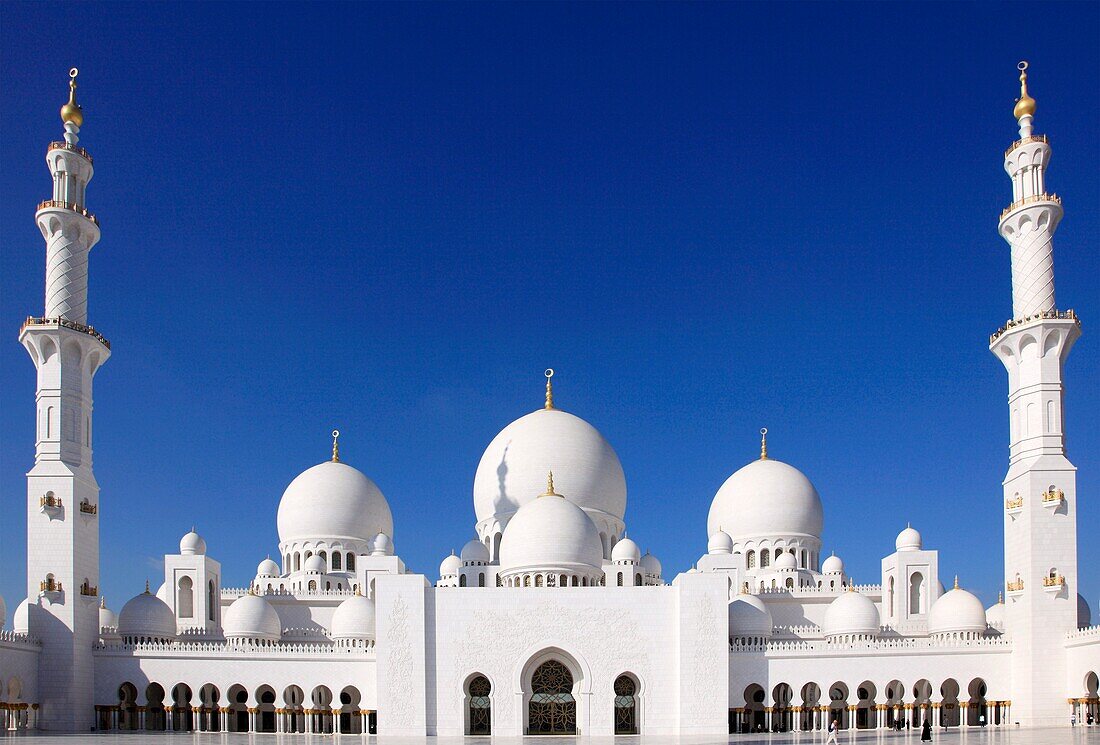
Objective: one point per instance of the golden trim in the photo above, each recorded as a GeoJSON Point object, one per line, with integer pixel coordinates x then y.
{"type": "Point", "coordinates": [549, 373]}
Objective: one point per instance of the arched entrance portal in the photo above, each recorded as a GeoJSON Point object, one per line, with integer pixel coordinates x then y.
{"type": "Point", "coordinates": [626, 706]}
{"type": "Point", "coordinates": [480, 712]}
{"type": "Point", "coordinates": [552, 709]}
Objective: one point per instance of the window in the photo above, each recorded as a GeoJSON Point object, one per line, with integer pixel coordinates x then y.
{"type": "Point", "coordinates": [479, 716]}
{"type": "Point", "coordinates": [619, 581]}
{"type": "Point", "coordinates": [462, 580]}
{"type": "Point", "coordinates": [750, 559]}
{"type": "Point", "coordinates": [336, 562]}
{"type": "Point", "coordinates": [211, 600]}
{"type": "Point", "coordinates": [351, 562]}
{"type": "Point", "coordinates": [764, 558]}
{"type": "Point", "coordinates": [481, 579]}
{"type": "Point", "coordinates": [626, 722]}
{"type": "Point", "coordinates": [637, 580]}
{"type": "Point", "coordinates": [185, 598]}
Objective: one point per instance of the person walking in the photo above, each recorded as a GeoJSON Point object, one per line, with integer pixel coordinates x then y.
{"type": "Point", "coordinates": [926, 732]}
{"type": "Point", "coordinates": [831, 740]}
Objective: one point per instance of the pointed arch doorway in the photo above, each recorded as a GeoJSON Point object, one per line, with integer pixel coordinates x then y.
{"type": "Point", "coordinates": [552, 709]}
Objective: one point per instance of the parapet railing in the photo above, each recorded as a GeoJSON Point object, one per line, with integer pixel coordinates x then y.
{"type": "Point", "coordinates": [235, 646]}
{"type": "Point", "coordinates": [1024, 141]}
{"type": "Point", "coordinates": [71, 206]}
{"type": "Point", "coordinates": [1086, 633]}
{"type": "Point", "coordinates": [62, 145]}
{"type": "Point", "coordinates": [66, 323]}
{"type": "Point", "coordinates": [18, 637]}
{"type": "Point", "coordinates": [1064, 315]}
{"type": "Point", "coordinates": [1031, 200]}
{"type": "Point", "coordinates": [824, 645]}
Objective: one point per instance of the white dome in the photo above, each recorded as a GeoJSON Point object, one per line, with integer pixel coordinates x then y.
{"type": "Point", "coordinates": [267, 568]}
{"type": "Point", "coordinates": [475, 552]}
{"type": "Point", "coordinates": [851, 613]}
{"type": "Point", "coordinates": [651, 564]}
{"type": "Point", "coordinates": [720, 543]}
{"type": "Point", "coordinates": [21, 619]}
{"type": "Point", "coordinates": [1084, 613]}
{"type": "Point", "coordinates": [956, 611]}
{"type": "Point", "coordinates": [995, 615]}
{"type": "Point", "coordinates": [3, 613]}
{"type": "Point", "coordinates": [107, 617]}
{"type": "Point", "coordinates": [162, 592]}
{"type": "Point", "coordinates": [332, 501]}
{"type": "Point", "coordinates": [147, 615]}
{"type": "Point", "coordinates": [766, 498]}
{"type": "Point", "coordinates": [626, 550]}
{"type": "Point", "coordinates": [192, 543]}
{"type": "Point", "coordinates": [251, 617]}
{"type": "Point", "coordinates": [832, 565]}
{"type": "Point", "coordinates": [513, 469]}
{"type": "Point", "coordinates": [785, 560]}
{"type": "Point", "coordinates": [749, 616]}
{"type": "Point", "coordinates": [908, 540]}
{"type": "Point", "coordinates": [381, 545]}
{"type": "Point", "coordinates": [314, 565]}
{"type": "Point", "coordinates": [450, 566]}
{"type": "Point", "coordinates": [550, 532]}
{"type": "Point", "coordinates": [353, 619]}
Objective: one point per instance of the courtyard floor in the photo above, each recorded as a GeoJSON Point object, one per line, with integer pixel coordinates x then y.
{"type": "Point", "coordinates": [1075, 736]}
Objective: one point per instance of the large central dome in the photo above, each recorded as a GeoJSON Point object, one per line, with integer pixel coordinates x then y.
{"type": "Point", "coordinates": [513, 469]}
{"type": "Point", "coordinates": [333, 501]}
{"type": "Point", "coordinates": [766, 499]}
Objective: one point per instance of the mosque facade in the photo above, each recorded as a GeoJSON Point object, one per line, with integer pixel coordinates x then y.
{"type": "Point", "coordinates": [550, 620]}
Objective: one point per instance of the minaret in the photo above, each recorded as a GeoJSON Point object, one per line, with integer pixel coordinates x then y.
{"type": "Point", "coordinates": [1040, 510]}
{"type": "Point", "coordinates": [62, 493]}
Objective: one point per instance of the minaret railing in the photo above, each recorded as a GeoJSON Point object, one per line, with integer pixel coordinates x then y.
{"type": "Point", "coordinates": [61, 321]}
{"type": "Point", "coordinates": [71, 206]}
{"type": "Point", "coordinates": [62, 145]}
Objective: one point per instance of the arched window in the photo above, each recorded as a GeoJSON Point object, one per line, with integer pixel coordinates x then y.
{"type": "Point", "coordinates": [481, 579]}
{"type": "Point", "coordinates": [790, 583]}
{"type": "Point", "coordinates": [297, 561]}
{"type": "Point", "coordinates": [462, 580]}
{"type": "Point", "coordinates": [890, 595]}
{"type": "Point", "coordinates": [619, 579]}
{"type": "Point", "coordinates": [538, 580]}
{"type": "Point", "coordinates": [527, 580]}
{"type": "Point", "coordinates": [351, 562]}
{"type": "Point", "coordinates": [575, 583]}
{"type": "Point", "coordinates": [479, 720]}
{"type": "Point", "coordinates": [765, 558]}
{"type": "Point", "coordinates": [916, 593]}
{"type": "Point", "coordinates": [185, 598]}
{"type": "Point", "coordinates": [552, 709]}
{"type": "Point", "coordinates": [313, 585]}
{"type": "Point", "coordinates": [337, 564]}
{"type": "Point", "coordinates": [324, 558]}
{"type": "Point", "coordinates": [626, 720]}
{"type": "Point", "coordinates": [211, 601]}
{"type": "Point", "coordinates": [750, 559]}
{"type": "Point", "coordinates": [638, 580]}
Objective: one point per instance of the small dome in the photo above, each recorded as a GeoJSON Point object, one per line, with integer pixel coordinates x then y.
{"type": "Point", "coordinates": [267, 568]}
{"type": "Point", "coordinates": [832, 565]}
{"type": "Point", "coordinates": [957, 611]}
{"type": "Point", "coordinates": [1084, 613]}
{"type": "Point", "coordinates": [108, 619]}
{"type": "Point", "coordinates": [785, 561]}
{"type": "Point", "coordinates": [749, 616]}
{"type": "Point", "coordinates": [475, 552]}
{"type": "Point", "coordinates": [147, 615]}
{"type": "Point", "coordinates": [908, 540]}
{"type": "Point", "coordinates": [766, 498]}
{"type": "Point", "coordinates": [851, 613]}
{"type": "Point", "coordinates": [353, 619]}
{"type": "Point", "coordinates": [626, 550]}
{"type": "Point", "coordinates": [550, 532]}
{"type": "Point", "coordinates": [451, 566]}
{"type": "Point", "coordinates": [651, 565]}
{"type": "Point", "coordinates": [720, 543]}
{"type": "Point", "coordinates": [332, 501]}
{"type": "Point", "coordinates": [513, 468]}
{"type": "Point", "coordinates": [192, 543]}
{"type": "Point", "coordinates": [21, 619]}
{"type": "Point", "coordinates": [995, 615]}
{"type": "Point", "coordinates": [3, 613]}
{"type": "Point", "coordinates": [381, 545]}
{"type": "Point", "coordinates": [251, 617]}
{"type": "Point", "coordinates": [314, 565]}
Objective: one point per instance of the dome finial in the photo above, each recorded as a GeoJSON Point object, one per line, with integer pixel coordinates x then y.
{"type": "Point", "coordinates": [1025, 104]}
{"type": "Point", "coordinates": [1000, 597]}
{"type": "Point", "coordinates": [549, 373]}
{"type": "Point", "coordinates": [550, 486]}
{"type": "Point", "coordinates": [335, 446]}
{"type": "Point", "coordinates": [763, 443]}
{"type": "Point", "coordinates": [103, 601]}
{"type": "Point", "coordinates": [956, 582]}
{"type": "Point", "coordinates": [146, 587]}
{"type": "Point", "coordinates": [71, 113]}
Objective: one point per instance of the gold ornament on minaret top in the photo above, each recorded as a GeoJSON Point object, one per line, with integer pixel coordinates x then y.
{"type": "Point", "coordinates": [71, 113]}
{"type": "Point", "coordinates": [549, 373]}
{"type": "Point", "coordinates": [1025, 104]}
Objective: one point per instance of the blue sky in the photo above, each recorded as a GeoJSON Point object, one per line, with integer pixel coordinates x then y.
{"type": "Point", "coordinates": [390, 218]}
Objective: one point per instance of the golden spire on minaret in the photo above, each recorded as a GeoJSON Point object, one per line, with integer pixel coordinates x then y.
{"type": "Point", "coordinates": [71, 112]}
{"type": "Point", "coordinates": [549, 373]}
{"type": "Point", "coordinates": [335, 446]}
{"type": "Point", "coordinates": [763, 443]}
{"type": "Point", "coordinates": [1025, 104]}
{"type": "Point", "coordinates": [550, 486]}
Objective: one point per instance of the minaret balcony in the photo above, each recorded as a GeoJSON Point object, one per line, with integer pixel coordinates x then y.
{"type": "Point", "coordinates": [88, 508]}
{"type": "Point", "coordinates": [1015, 505]}
{"type": "Point", "coordinates": [89, 591]}
{"type": "Point", "coordinates": [1057, 315]}
{"type": "Point", "coordinates": [84, 153]}
{"type": "Point", "coordinates": [1053, 498]}
{"type": "Point", "coordinates": [50, 505]}
{"type": "Point", "coordinates": [66, 323]}
{"type": "Point", "coordinates": [1013, 146]}
{"type": "Point", "coordinates": [71, 206]}
{"type": "Point", "coordinates": [1014, 588]}
{"type": "Point", "coordinates": [1054, 584]}
{"type": "Point", "coordinates": [51, 588]}
{"type": "Point", "coordinates": [1054, 198]}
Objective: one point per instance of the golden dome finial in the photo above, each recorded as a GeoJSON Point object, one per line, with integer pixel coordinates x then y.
{"type": "Point", "coordinates": [1000, 597]}
{"type": "Point", "coordinates": [146, 587]}
{"type": "Point", "coordinates": [549, 373]}
{"type": "Point", "coordinates": [103, 601]}
{"type": "Point", "coordinates": [1025, 104]}
{"type": "Point", "coordinates": [550, 486]}
{"type": "Point", "coordinates": [71, 112]}
{"type": "Point", "coordinates": [763, 443]}
{"type": "Point", "coordinates": [335, 446]}
{"type": "Point", "coordinates": [956, 582]}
